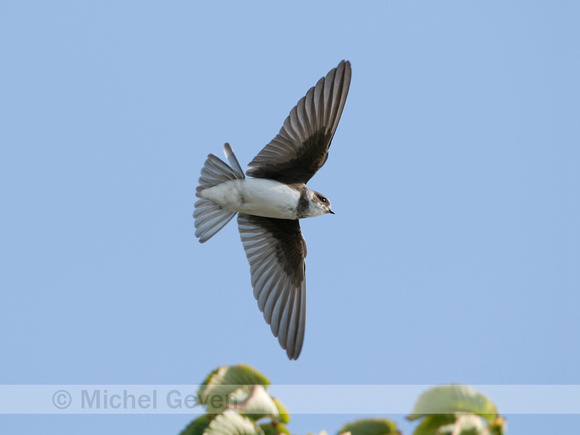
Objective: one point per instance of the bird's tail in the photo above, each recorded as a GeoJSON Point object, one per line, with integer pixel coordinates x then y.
{"type": "Point", "coordinates": [210, 217]}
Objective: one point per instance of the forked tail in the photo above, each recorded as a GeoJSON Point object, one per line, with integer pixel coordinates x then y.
{"type": "Point", "coordinates": [210, 217]}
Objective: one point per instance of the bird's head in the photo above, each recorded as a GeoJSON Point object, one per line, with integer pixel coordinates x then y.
{"type": "Point", "coordinates": [319, 204]}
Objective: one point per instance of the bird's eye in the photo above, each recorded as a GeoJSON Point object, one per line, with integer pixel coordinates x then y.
{"type": "Point", "coordinates": [322, 199]}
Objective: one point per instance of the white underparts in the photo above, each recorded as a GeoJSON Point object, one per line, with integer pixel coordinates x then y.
{"type": "Point", "coordinates": [255, 196]}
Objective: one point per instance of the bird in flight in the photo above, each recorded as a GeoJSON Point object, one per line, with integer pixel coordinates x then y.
{"type": "Point", "coordinates": [270, 204]}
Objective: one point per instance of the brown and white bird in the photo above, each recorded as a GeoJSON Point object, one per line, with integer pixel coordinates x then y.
{"type": "Point", "coordinates": [270, 204]}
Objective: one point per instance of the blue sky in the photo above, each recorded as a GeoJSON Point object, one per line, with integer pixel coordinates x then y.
{"type": "Point", "coordinates": [454, 254]}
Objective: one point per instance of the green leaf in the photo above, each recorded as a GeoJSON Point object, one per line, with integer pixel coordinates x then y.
{"type": "Point", "coordinates": [468, 424]}
{"type": "Point", "coordinates": [453, 399]}
{"type": "Point", "coordinates": [283, 415]}
{"type": "Point", "coordinates": [274, 429]}
{"type": "Point", "coordinates": [221, 383]}
{"type": "Point", "coordinates": [255, 403]}
{"type": "Point", "coordinates": [197, 426]}
{"type": "Point", "coordinates": [498, 426]}
{"type": "Point", "coordinates": [232, 423]}
{"type": "Point", "coordinates": [370, 427]}
{"type": "Point", "coordinates": [432, 423]}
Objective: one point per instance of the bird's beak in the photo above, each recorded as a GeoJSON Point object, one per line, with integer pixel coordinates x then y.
{"type": "Point", "coordinates": [330, 211]}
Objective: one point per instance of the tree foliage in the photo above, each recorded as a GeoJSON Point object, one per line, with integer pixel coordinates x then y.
{"type": "Point", "coordinates": [237, 402]}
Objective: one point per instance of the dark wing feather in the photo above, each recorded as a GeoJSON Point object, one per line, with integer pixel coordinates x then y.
{"type": "Point", "coordinates": [276, 251]}
{"type": "Point", "coordinates": [301, 147]}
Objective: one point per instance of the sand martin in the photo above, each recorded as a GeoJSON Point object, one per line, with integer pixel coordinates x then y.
{"type": "Point", "coordinates": [270, 204]}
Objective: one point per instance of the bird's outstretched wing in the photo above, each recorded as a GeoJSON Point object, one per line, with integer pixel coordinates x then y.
{"type": "Point", "coordinates": [301, 147]}
{"type": "Point", "coordinates": [276, 251]}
